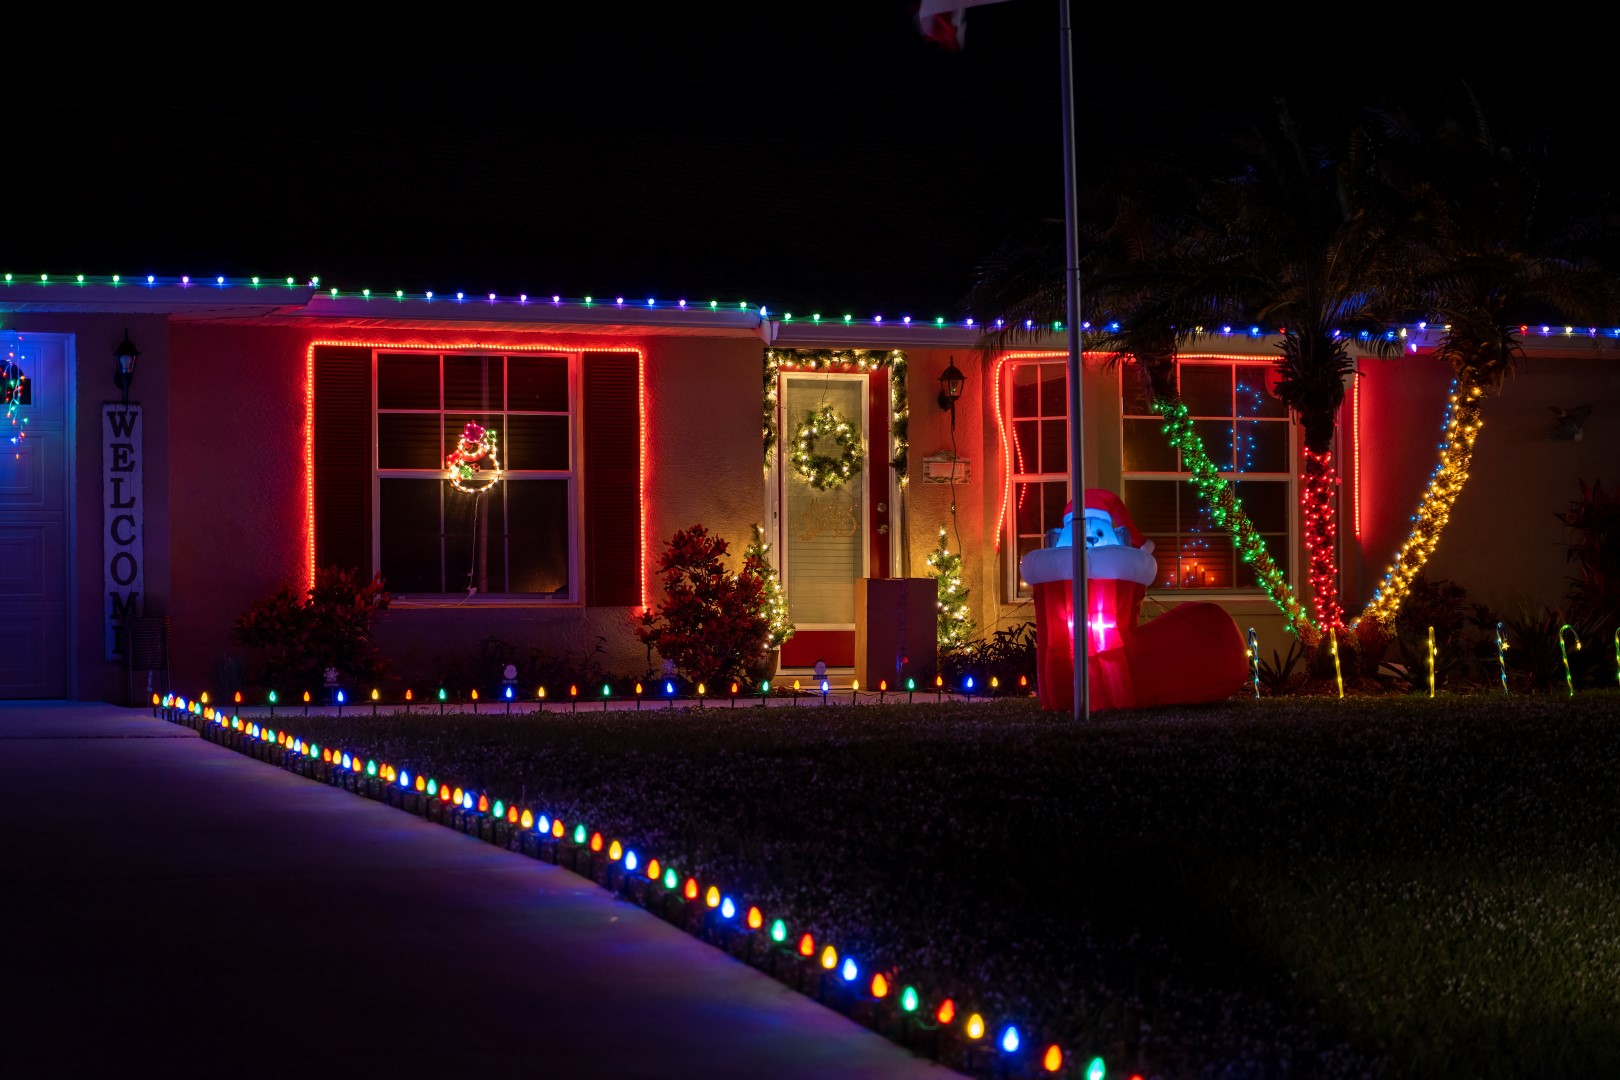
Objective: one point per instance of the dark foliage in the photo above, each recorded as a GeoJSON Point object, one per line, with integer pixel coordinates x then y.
{"type": "Point", "coordinates": [1004, 656]}
{"type": "Point", "coordinates": [711, 623]}
{"type": "Point", "coordinates": [302, 633]}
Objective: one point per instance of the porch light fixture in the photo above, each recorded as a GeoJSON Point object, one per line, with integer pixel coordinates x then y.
{"type": "Point", "coordinates": [951, 381]}
{"type": "Point", "coordinates": [124, 372]}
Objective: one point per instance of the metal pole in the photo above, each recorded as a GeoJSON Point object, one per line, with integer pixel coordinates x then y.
{"type": "Point", "coordinates": [1077, 473]}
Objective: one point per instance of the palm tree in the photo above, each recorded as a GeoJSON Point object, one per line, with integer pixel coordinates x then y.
{"type": "Point", "coordinates": [1498, 251]}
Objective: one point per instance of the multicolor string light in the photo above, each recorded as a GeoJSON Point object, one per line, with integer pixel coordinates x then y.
{"type": "Point", "coordinates": [13, 385]}
{"type": "Point", "coordinates": [712, 913]}
{"type": "Point", "coordinates": [1460, 428]}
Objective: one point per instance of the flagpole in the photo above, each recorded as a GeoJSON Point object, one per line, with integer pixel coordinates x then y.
{"type": "Point", "coordinates": [1077, 473]}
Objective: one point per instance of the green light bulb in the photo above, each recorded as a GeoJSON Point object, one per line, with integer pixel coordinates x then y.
{"type": "Point", "coordinates": [669, 879]}
{"type": "Point", "coordinates": [779, 931]}
{"type": "Point", "coordinates": [1096, 1069]}
{"type": "Point", "coordinates": [908, 999]}
{"type": "Point", "coordinates": [579, 833]}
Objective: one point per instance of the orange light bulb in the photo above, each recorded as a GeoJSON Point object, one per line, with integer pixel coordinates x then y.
{"type": "Point", "coordinates": [947, 1011]}
{"type": "Point", "coordinates": [807, 946]}
{"type": "Point", "coordinates": [756, 919]}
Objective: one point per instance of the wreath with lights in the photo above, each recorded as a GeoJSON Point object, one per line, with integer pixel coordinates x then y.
{"type": "Point", "coordinates": [473, 466]}
{"type": "Point", "coordinates": [825, 472]}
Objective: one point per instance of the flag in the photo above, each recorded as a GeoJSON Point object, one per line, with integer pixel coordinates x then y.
{"type": "Point", "coordinates": [944, 22]}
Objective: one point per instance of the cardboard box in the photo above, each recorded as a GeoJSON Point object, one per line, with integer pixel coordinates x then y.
{"type": "Point", "coordinates": [896, 631]}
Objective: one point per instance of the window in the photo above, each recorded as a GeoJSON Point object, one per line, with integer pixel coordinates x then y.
{"type": "Point", "coordinates": [1247, 433]}
{"type": "Point", "coordinates": [1037, 396]}
{"type": "Point", "coordinates": [519, 536]}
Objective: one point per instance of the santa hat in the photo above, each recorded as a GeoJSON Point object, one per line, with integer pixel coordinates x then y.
{"type": "Point", "coordinates": [1102, 503]}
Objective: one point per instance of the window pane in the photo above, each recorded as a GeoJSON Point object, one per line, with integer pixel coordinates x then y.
{"type": "Point", "coordinates": [1054, 497]}
{"type": "Point", "coordinates": [1027, 509]}
{"type": "Point", "coordinates": [1265, 504]}
{"type": "Point", "coordinates": [1217, 439]}
{"type": "Point", "coordinates": [472, 382]}
{"type": "Point", "coordinates": [1262, 446]}
{"type": "Point", "coordinates": [1135, 393]}
{"type": "Point", "coordinates": [1026, 398]}
{"type": "Point", "coordinates": [1152, 504]}
{"type": "Point", "coordinates": [408, 526]}
{"type": "Point", "coordinates": [1206, 389]}
{"type": "Point", "coordinates": [537, 383]}
{"type": "Point", "coordinates": [1054, 446]}
{"type": "Point", "coordinates": [1055, 390]}
{"type": "Point", "coordinates": [535, 442]}
{"type": "Point", "coordinates": [408, 441]}
{"type": "Point", "coordinates": [1252, 397]}
{"type": "Point", "coordinates": [1164, 554]}
{"type": "Point", "coordinates": [1146, 448]}
{"type": "Point", "coordinates": [1026, 544]}
{"type": "Point", "coordinates": [456, 423]}
{"type": "Point", "coordinates": [474, 540]}
{"type": "Point", "coordinates": [1026, 446]}
{"type": "Point", "coordinates": [537, 535]}
{"type": "Point", "coordinates": [407, 381]}
{"type": "Point", "coordinates": [1206, 563]}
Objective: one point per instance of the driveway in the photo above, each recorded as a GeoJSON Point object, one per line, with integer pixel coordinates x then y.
{"type": "Point", "coordinates": [171, 904]}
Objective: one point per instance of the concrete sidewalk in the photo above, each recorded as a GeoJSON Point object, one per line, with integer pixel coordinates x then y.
{"type": "Point", "coordinates": [173, 905]}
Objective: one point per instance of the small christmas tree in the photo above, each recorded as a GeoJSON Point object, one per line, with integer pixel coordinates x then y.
{"type": "Point", "coordinates": [955, 626]}
{"type": "Point", "coordinates": [757, 564]}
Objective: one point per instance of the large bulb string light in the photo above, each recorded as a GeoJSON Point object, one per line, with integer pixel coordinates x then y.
{"type": "Point", "coordinates": [647, 881]}
{"type": "Point", "coordinates": [1460, 429]}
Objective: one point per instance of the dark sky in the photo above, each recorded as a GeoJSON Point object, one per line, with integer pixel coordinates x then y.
{"type": "Point", "coordinates": [811, 156]}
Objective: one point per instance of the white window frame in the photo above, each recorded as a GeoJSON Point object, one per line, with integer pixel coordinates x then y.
{"type": "Point", "coordinates": [1290, 478]}
{"type": "Point", "coordinates": [571, 475]}
{"type": "Point", "coordinates": [1016, 591]}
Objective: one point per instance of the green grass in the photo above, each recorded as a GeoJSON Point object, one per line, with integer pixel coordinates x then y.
{"type": "Point", "coordinates": [1291, 886]}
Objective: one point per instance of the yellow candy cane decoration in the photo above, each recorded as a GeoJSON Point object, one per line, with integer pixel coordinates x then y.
{"type": "Point", "coordinates": [1333, 647]}
{"type": "Point", "coordinates": [1432, 653]}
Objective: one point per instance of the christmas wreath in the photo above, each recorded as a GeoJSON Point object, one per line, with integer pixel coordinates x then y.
{"type": "Point", "coordinates": [824, 472]}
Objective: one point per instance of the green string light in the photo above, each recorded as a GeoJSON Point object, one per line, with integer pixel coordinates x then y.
{"type": "Point", "coordinates": [1227, 510]}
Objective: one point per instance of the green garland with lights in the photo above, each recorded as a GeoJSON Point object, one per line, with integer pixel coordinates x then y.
{"type": "Point", "coordinates": [1218, 493]}
{"type": "Point", "coordinates": [849, 359]}
{"type": "Point", "coordinates": [955, 625]}
{"type": "Point", "coordinates": [826, 472]}
{"type": "Point", "coordinates": [756, 561]}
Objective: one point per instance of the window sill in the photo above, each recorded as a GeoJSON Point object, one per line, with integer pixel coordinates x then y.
{"type": "Point", "coordinates": [436, 603]}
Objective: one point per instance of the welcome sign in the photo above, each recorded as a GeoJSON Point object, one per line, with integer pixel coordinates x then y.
{"type": "Point", "coordinates": [123, 511]}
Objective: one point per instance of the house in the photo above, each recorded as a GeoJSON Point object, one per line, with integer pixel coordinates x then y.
{"type": "Point", "coordinates": [276, 426]}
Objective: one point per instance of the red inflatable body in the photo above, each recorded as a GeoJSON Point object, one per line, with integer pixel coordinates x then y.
{"type": "Point", "coordinates": [1192, 653]}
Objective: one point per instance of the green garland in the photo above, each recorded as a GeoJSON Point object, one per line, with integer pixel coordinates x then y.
{"type": "Point", "coordinates": [828, 359]}
{"type": "Point", "coordinates": [825, 472]}
{"type": "Point", "coordinates": [1218, 494]}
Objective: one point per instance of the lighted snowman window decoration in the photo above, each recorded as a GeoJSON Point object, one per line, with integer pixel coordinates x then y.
{"type": "Point", "coordinates": [473, 466]}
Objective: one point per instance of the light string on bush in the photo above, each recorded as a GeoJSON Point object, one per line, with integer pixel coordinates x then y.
{"type": "Point", "coordinates": [811, 966]}
{"type": "Point", "coordinates": [1318, 498]}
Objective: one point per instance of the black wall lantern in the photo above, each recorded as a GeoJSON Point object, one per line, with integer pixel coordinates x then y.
{"type": "Point", "coordinates": [124, 372]}
{"type": "Point", "coordinates": [951, 381]}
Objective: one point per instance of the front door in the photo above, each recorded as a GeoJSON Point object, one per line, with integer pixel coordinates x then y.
{"type": "Point", "coordinates": [832, 533]}
{"type": "Point", "coordinates": [33, 522]}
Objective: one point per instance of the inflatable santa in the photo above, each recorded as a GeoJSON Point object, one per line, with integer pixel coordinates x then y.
{"type": "Point", "coordinates": [1192, 653]}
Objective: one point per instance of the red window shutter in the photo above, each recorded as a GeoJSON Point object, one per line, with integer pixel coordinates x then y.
{"type": "Point", "coordinates": [343, 422]}
{"type": "Point", "coordinates": [611, 409]}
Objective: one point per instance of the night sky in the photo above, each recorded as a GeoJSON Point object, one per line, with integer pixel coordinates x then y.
{"type": "Point", "coordinates": [818, 157]}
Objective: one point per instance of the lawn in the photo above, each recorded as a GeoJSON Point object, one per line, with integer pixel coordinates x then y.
{"type": "Point", "coordinates": [1292, 886]}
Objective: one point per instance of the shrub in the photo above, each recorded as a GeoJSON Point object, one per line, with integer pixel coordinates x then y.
{"type": "Point", "coordinates": [303, 632]}
{"type": "Point", "coordinates": [711, 623]}
{"type": "Point", "coordinates": [1004, 656]}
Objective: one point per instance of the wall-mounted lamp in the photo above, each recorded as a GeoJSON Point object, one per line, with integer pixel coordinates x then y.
{"type": "Point", "coordinates": [124, 372]}
{"type": "Point", "coordinates": [951, 382]}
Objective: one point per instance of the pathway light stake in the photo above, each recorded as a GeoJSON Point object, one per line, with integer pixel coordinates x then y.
{"type": "Point", "coordinates": [764, 691]}
{"type": "Point", "coordinates": [1501, 654]}
{"type": "Point", "coordinates": [911, 688]}
{"type": "Point", "coordinates": [441, 701]}
{"type": "Point", "coordinates": [373, 701]}
{"type": "Point", "coordinates": [408, 697]}
{"type": "Point", "coordinates": [306, 702]}
{"type": "Point", "coordinates": [606, 691]}
{"type": "Point", "coordinates": [540, 698]}
{"type": "Point", "coordinates": [1432, 654]}
{"type": "Point", "coordinates": [475, 701]}
{"type": "Point", "coordinates": [1254, 661]}
{"type": "Point", "coordinates": [573, 697]}
{"type": "Point", "coordinates": [340, 702]}
{"type": "Point", "coordinates": [272, 704]}
{"type": "Point", "coordinates": [855, 692]}
{"type": "Point", "coordinates": [1569, 679]}
{"type": "Point", "coordinates": [506, 692]}
{"type": "Point", "coordinates": [795, 691]}
{"type": "Point", "coordinates": [733, 695]}
{"type": "Point", "coordinates": [1333, 647]}
{"type": "Point", "coordinates": [701, 690]}
{"type": "Point", "coordinates": [638, 697]}
{"type": "Point", "coordinates": [824, 691]}
{"type": "Point", "coordinates": [883, 690]}
{"type": "Point", "coordinates": [939, 688]}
